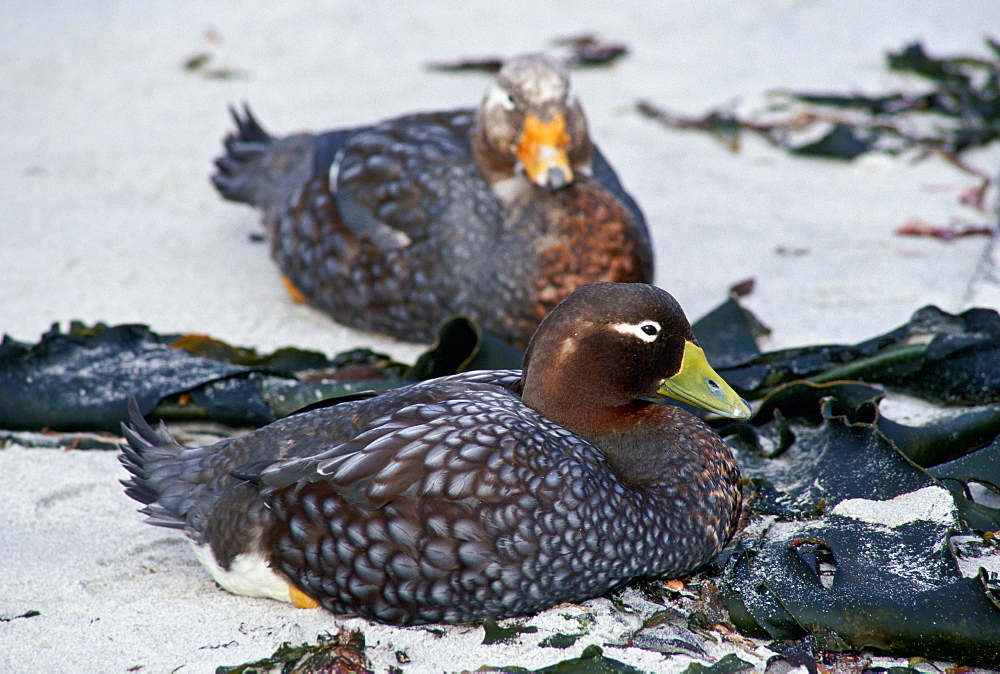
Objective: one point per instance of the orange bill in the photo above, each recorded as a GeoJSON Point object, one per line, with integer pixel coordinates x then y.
{"type": "Point", "coordinates": [542, 151]}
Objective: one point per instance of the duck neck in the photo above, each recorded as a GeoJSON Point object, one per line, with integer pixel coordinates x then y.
{"type": "Point", "coordinates": [509, 185]}
{"type": "Point", "coordinates": [662, 445]}
{"type": "Point", "coordinates": [492, 164]}
{"type": "Point", "coordinates": [645, 444]}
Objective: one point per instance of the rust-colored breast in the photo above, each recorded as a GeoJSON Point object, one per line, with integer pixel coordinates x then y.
{"type": "Point", "coordinates": [594, 239]}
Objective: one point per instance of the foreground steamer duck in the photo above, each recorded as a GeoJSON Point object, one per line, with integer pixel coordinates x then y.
{"type": "Point", "coordinates": [480, 495]}
{"type": "Point", "coordinates": [498, 214]}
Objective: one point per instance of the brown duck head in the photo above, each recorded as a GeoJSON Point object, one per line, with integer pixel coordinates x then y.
{"type": "Point", "coordinates": [610, 350]}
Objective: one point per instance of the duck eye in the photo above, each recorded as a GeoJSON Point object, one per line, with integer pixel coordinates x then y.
{"type": "Point", "coordinates": [505, 99]}
{"type": "Point", "coordinates": [649, 329]}
{"type": "Point", "coordinates": [500, 97]}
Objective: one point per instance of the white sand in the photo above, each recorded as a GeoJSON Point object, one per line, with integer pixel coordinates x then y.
{"type": "Point", "coordinates": [934, 504]}
{"type": "Point", "coordinates": [107, 215]}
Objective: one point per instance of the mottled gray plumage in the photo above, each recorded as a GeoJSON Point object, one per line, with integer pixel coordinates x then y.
{"type": "Point", "coordinates": [393, 227]}
{"type": "Point", "coordinates": [452, 500]}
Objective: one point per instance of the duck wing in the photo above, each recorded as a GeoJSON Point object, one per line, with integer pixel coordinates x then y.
{"type": "Point", "coordinates": [407, 178]}
{"type": "Point", "coordinates": [454, 440]}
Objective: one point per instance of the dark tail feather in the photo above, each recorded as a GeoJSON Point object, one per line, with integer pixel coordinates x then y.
{"type": "Point", "coordinates": [245, 147]}
{"type": "Point", "coordinates": [143, 441]}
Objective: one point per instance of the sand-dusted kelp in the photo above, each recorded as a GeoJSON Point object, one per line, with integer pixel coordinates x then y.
{"type": "Point", "coordinates": [81, 379]}
{"type": "Point", "coordinates": [867, 532]}
{"type": "Point", "coordinates": [856, 544]}
{"type": "Point", "coordinates": [591, 660]}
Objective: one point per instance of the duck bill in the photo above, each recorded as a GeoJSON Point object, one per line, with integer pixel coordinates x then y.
{"type": "Point", "coordinates": [542, 151]}
{"type": "Point", "coordinates": [699, 385]}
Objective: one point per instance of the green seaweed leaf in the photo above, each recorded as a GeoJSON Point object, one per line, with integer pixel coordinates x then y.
{"type": "Point", "coordinates": [728, 663]}
{"type": "Point", "coordinates": [591, 661]}
{"type": "Point", "coordinates": [942, 357]}
{"type": "Point", "coordinates": [27, 614]}
{"type": "Point", "coordinates": [560, 640]}
{"type": "Point", "coordinates": [82, 379]}
{"type": "Point", "coordinates": [497, 634]}
{"type": "Point", "coordinates": [343, 653]}
{"type": "Point", "coordinates": [461, 345]}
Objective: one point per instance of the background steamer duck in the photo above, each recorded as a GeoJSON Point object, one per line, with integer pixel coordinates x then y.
{"type": "Point", "coordinates": [498, 214]}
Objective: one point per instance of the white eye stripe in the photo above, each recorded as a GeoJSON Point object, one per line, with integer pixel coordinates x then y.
{"type": "Point", "coordinates": [499, 96]}
{"type": "Point", "coordinates": [647, 331]}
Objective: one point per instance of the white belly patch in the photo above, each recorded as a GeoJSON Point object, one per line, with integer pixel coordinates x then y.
{"type": "Point", "coordinates": [249, 575]}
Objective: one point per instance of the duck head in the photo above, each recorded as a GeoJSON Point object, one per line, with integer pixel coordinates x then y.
{"type": "Point", "coordinates": [609, 350]}
{"type": "Point", "coordinates": [530, 125]}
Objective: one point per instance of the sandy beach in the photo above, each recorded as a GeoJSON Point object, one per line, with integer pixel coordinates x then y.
{"type": "Point", "coordinates": [108, 215]}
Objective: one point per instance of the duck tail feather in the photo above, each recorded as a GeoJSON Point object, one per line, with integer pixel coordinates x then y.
{"type": "Point", "coordinates": [260, 169]}
{"type": "Point", "coordinates": [238, 169]}
{"type": "Point", "coordinates": [154, 461]}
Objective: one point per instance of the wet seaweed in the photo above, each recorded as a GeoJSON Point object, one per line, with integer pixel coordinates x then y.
{"type": "Point", "coordinates": [81, 380]}
{"type": "Point", "coordinates": [668, 631]}
{"type": "Point", "coordinates": [956, 229]}
{"type": "Point", "coordinates": [946, 358]}
{"type": "Point", "coordinates": [559, 640]}
{"type": "Point", "coordinates": [200, 64]}
{"type": "Point", "coordinates": [27, 614]}
{"type": "Point", "coordinates": [587, 49]}
{"type": "Point", "coordinates": [889, 580]}
{"type": "Point", "coordinates": [817, 446]}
